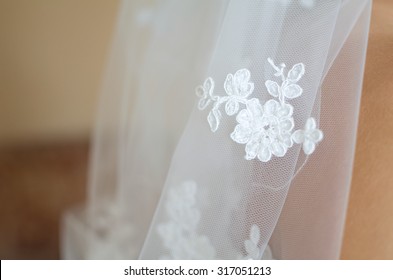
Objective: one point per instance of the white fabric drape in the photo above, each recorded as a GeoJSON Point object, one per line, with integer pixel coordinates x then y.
{"type": "Point", "coordinates": [240, 142]}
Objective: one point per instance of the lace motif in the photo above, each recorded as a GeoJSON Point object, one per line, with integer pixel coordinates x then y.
{"type": "Point", "coordinates": [179, 234]}
{"type": "Point", "coordinates": [266, 129]}
{"type": "Point", "coordinates": [254, 252]}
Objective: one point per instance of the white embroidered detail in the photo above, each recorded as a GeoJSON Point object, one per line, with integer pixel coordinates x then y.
{"type": "Point", "coordinates": [251, 245]}
{"type": "Point", "coordinates": [179, 234]}
{"type": "Point", "coordinates": [266, 129]}
{"type": "Point", "coordinates": [254, 252]}
{"type": "Point", "coordinates": [308, 137]}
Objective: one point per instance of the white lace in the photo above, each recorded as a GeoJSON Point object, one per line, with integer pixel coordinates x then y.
{"type": "Point", "coordinates": [251, 245]}
{"type": "Point", "coordinates": [179, 233]}
{"type": "Point", "coordinates": [266, 129]}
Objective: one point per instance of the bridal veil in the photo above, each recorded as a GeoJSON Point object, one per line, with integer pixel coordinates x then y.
{"type": "Point", "coordinates": [226, 130]}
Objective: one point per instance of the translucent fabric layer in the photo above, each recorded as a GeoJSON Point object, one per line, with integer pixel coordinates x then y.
{"type": "Point", "coordinates": [226, 130]}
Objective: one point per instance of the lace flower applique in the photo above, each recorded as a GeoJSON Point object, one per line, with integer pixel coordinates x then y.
{"type": "Point", "coordinates": [264, 129]}
{"type": "Point", "coordinates": [179, 234]}
{"type": "Point", "coordinates": [254, 252]}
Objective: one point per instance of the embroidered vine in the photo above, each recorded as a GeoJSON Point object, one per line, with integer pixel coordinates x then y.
{"type": "Point", "coordinates": [266, 129]}
{"type": "Point", "coordinates": [179, 233]}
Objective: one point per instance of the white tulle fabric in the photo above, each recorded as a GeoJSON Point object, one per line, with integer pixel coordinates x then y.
{"type": "Point", "coordinates": [257, 164]}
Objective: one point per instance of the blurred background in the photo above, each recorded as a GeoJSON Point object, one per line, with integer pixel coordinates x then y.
{"type": "Point", "coordinates": [52, 57]}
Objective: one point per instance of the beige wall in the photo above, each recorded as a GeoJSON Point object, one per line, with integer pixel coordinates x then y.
{"type": "Point", "coordinates": [52, 54]}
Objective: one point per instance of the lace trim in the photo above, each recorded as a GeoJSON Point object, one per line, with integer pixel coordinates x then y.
{"type": "Point", "coordinates": [266, 129]}
{"type": "Point", "coordinates": [179, 234]}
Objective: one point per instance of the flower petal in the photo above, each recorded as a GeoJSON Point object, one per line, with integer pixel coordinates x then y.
{"type": "Point", "coordinates": [286, 139]}
{"type": "Point", "coordinates": [209, 85]}
{"type": "Point", "coordinates": [278, 149]}
{"type": "Point", "coordinates": [315, 135]}
{"type": "Point", "coordinates": [252, 149]}
{"type": "Point", "coordinates": [254, 107]}
{"type": "Point", "coordinates": [308, 147]}
{"type": "Point", "coordinates": [285, 110]}
{"type": "Point", "coordinates": [244, 117]}
{"type": "Point", "coordinates": [242, 76]}
{"type": "Point", "coordinates": [264, 154]}
{"type": "Point", "coordinates": [246, 90]}
{"type": "Point", "coordinates": [270, 107]}
{"type": "Point", "coordinates": [298, 136]}
{"type": "Point", "coordinates": [228, 85]}
{"type": "Point", "coordinates": [231, 107]}
{"type": "Point", "coordinates": [287, 124]}
{"type": "Point", "coordinates": [292, 91]}
{"type": "Point", "coordinates": [296, 73]}
{"type": "Point", "coordinates": [241, 134]}
{"type": "Point", "coordinates": [310, 124]}
{"type": "Point", "coordinates": [273, 88]}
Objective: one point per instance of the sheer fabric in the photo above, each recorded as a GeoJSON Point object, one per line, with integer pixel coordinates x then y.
{"type": "Point", "coordinates": [240, 143]}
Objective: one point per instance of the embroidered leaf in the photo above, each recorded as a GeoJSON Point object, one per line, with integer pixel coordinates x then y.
{"type": "Point", "coordinates": [203, 103]}
{"type": "Point", "coordinates": [273, 88]}
{"type": "Point", "coordinates": [209, 85]}
{"type": "Point", "coordinates": [200, 92]}
{"type": "Point", "coordinates": [296, 73]}
{"type": "Point", "coordinates": [213, 119]}
{"type": "Point", "coordinates": [231, 107]}
{"type": "Point", "coordinates": [292, 91]}
{"type": "Point", "coordinates": [228, 85]}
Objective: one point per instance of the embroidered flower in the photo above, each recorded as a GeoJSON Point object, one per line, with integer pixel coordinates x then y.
{"type": "Point", "coordinates": [264, 129]}
{"type": "Point", "coordinates": [251, 245]}
{"type": "Point", "coordinates": [309, 137]}
{"type": "Point", "coordinates": [179, 234]}
{"type": "Point", "coordinates": [254, 252]}
{"type": "Point", "coordinates": [205, 93]}
{"type": "Point", "coordinates": [238, 89]}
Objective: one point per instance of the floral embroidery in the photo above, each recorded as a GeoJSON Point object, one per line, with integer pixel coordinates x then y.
{"type": "Point", "coordinates": [254, 252]}
{"type": "Point", "coordinates": [266, 129]}
{"type": "Point", "coordinates": [308, 137]}
{"type": "Point", "coordinates": [179, 233]}
{"type": "Point", "coordinates": [251, 245]}
{"type": "Point", "coordinates": [205, 93]}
